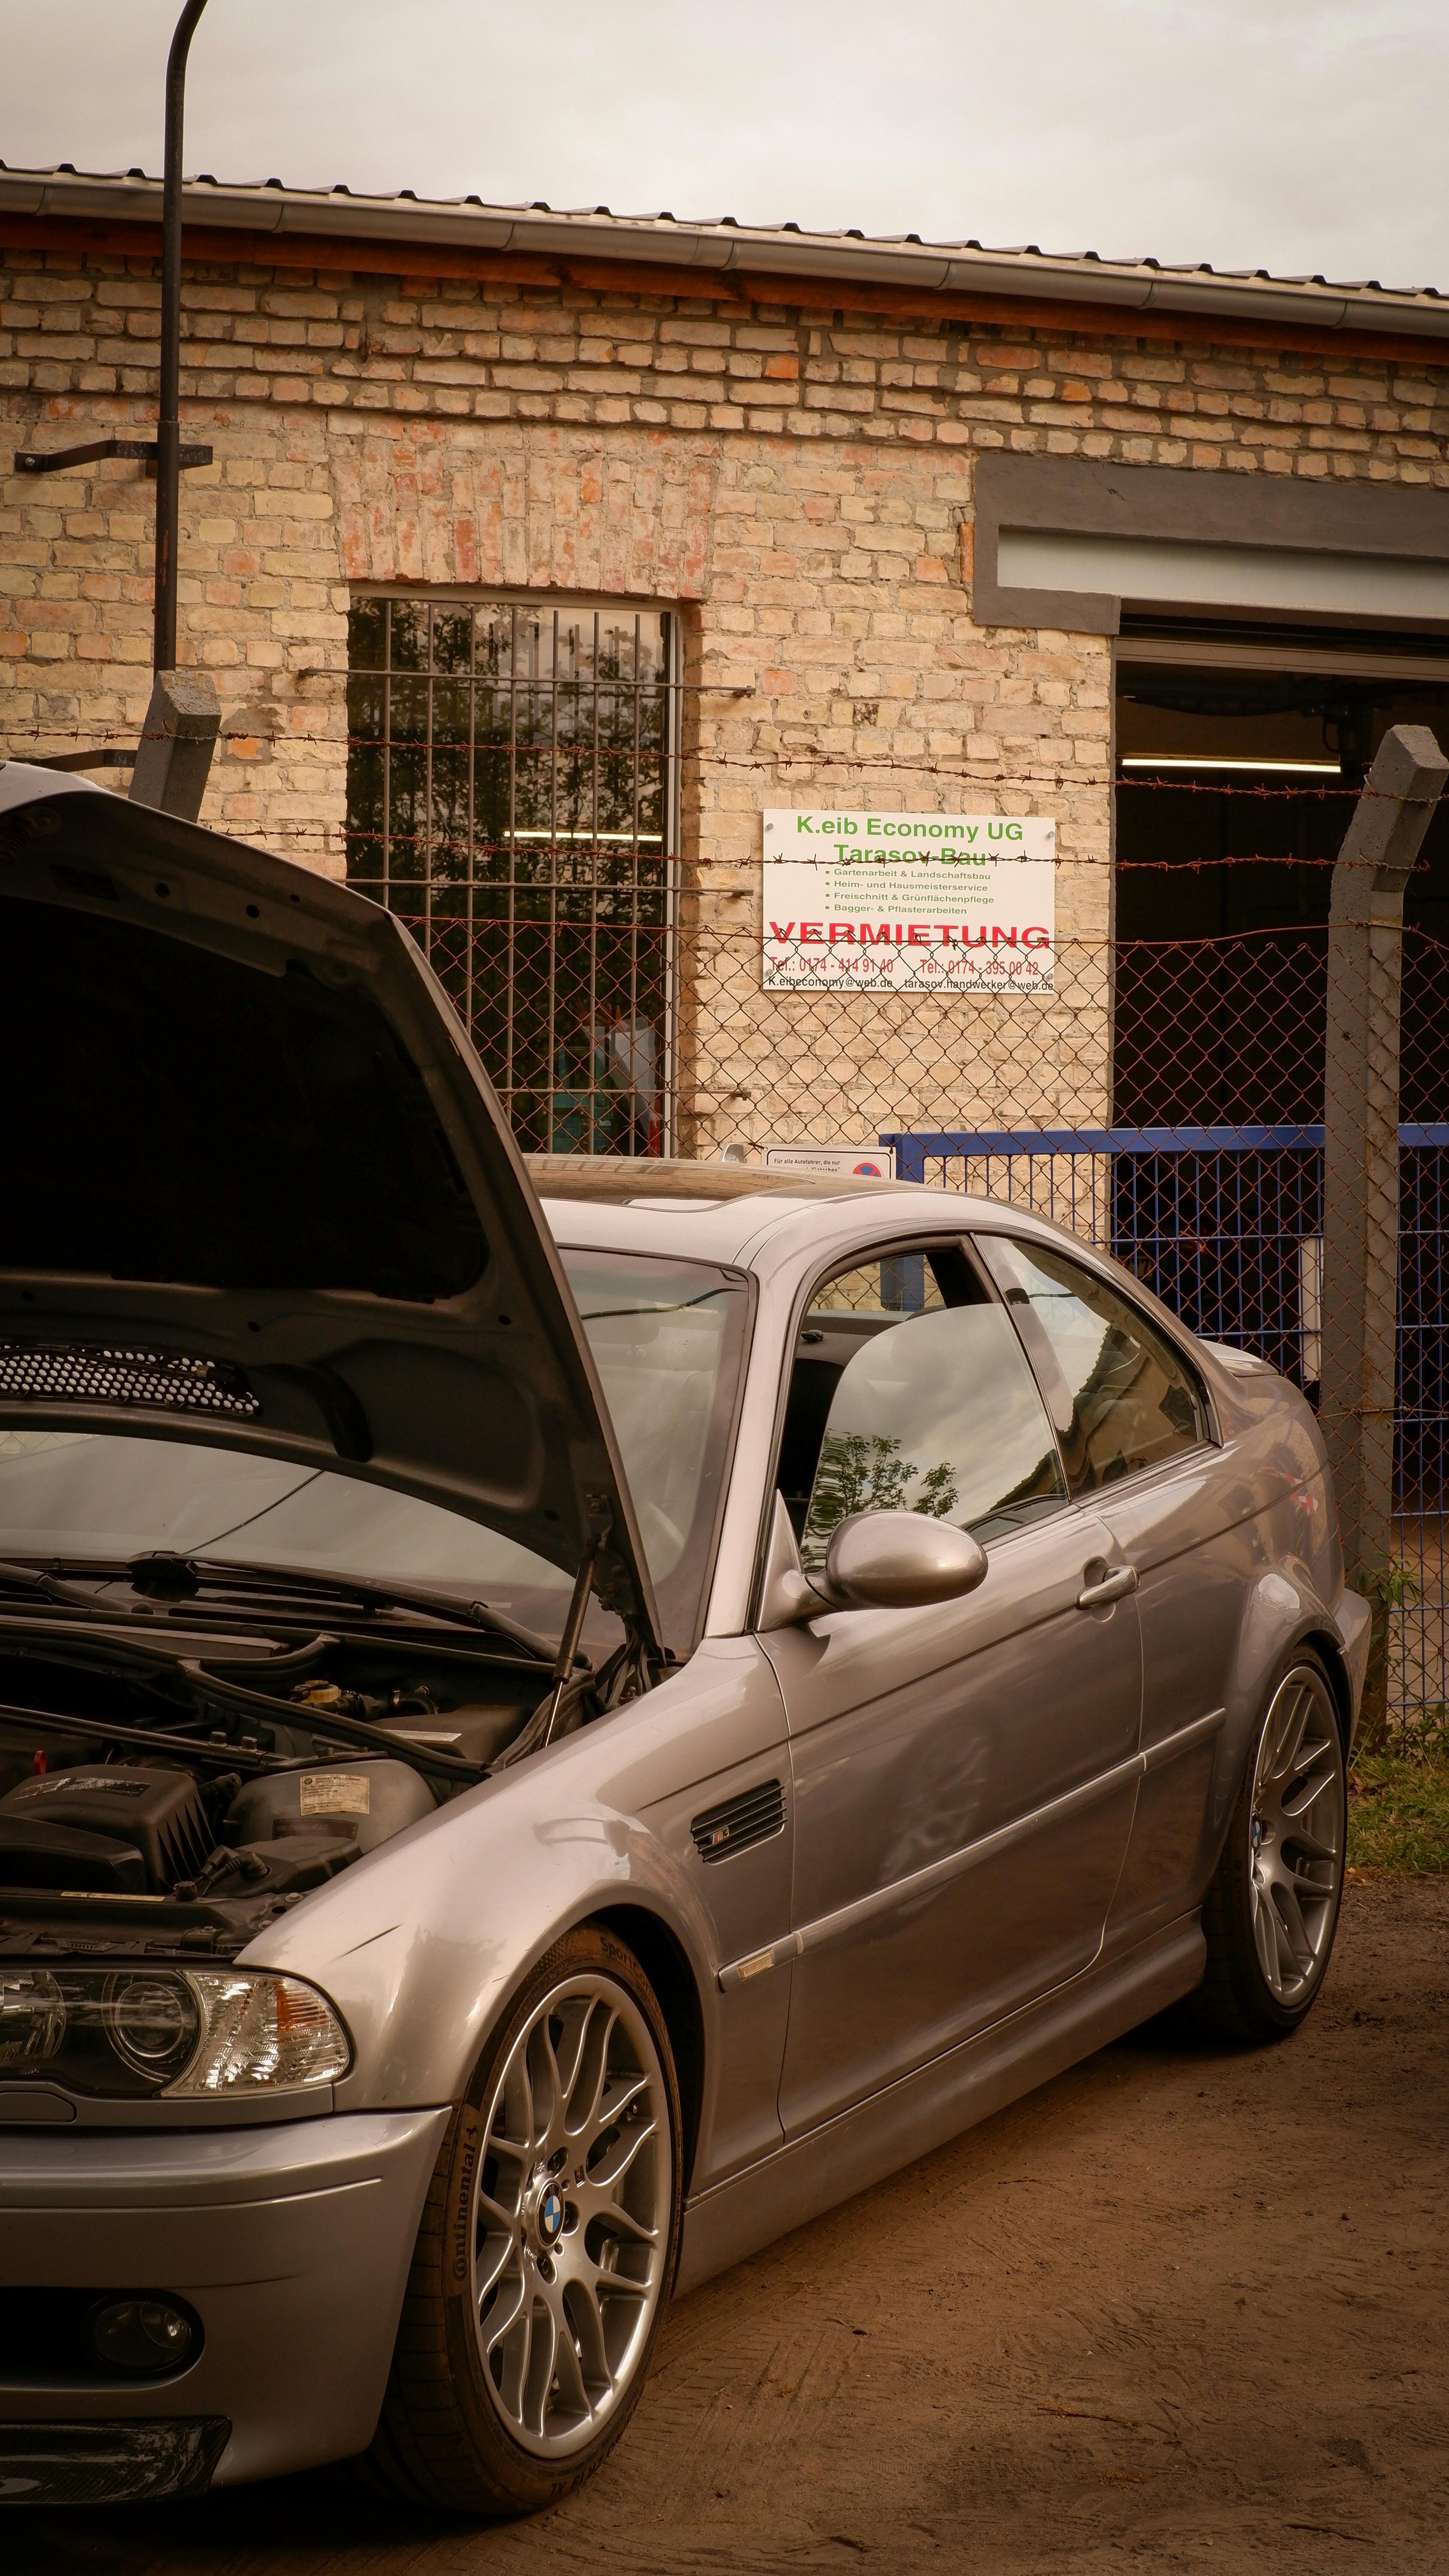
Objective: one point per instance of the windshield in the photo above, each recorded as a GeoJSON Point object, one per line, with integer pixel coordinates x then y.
{"type": "Point", "coordinates": [666, 1337]}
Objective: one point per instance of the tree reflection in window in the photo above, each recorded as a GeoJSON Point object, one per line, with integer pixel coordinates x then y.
{"type": "Point", "coordinates": [951, 1388]}
{"type": "Point", "coordinates": [857, 1474]}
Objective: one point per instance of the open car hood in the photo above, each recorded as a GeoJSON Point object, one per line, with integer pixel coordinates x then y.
{"type": "Point", "coordinates": [256, 1188]}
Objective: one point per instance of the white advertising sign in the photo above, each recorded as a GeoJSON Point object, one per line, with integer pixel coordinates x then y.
{"type": "Point", "coordinates": [834, 1162]}
{"type": "Point", "coordinates": [908, 903]}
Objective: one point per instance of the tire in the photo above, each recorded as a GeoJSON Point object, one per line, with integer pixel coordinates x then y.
{"type": "Point", "coordinates": [547, 2247]}
{"type": "Point", "coordinates": [1272, 1908]}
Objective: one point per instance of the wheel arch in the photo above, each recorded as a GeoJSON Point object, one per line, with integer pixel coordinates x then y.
{"type": "Point", "coordinates": [666, 1965]}
{"type": "Point", "coordinates": [1330, 1655]}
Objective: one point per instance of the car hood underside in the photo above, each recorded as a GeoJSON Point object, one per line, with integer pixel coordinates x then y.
{"type": "Point", "coordinates": [259, 1192]}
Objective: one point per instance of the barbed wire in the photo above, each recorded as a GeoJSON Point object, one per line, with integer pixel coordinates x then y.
{"type": "Point", "coordinates": [970, 771]}
{"type": "Point", "coordinates": [481, 846]}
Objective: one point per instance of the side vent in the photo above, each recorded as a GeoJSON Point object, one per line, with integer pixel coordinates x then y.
{"type": "Point", "coordinates": [752, 1817]}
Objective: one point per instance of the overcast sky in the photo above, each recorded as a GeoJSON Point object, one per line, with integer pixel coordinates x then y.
{"type": "Point", "coordinates": [1291, 135]}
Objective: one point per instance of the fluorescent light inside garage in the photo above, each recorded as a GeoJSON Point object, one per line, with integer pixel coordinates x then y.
{"type": "Point", "coordinates": [1211, 760]}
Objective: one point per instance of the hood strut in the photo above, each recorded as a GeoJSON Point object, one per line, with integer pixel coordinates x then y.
{"type": "Point", "coordinates": [568, 1644]}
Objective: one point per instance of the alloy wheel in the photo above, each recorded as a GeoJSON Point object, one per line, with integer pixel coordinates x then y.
{"type": "Point", "coordinates": [1298, 1829]}
{"type": "Point", "coordinates": [571, 2215]}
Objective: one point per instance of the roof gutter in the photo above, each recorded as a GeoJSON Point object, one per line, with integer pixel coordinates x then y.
{"type": "Point", "coordinates": [658, 241]}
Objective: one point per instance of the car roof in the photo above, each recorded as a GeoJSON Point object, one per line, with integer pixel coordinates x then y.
{"type": "Point", "coordinates": [617, 1180]}
{"type": "Point", "coordinates": [732, 1212]}
{"type": "Point", "coordinates": [745, 1217]}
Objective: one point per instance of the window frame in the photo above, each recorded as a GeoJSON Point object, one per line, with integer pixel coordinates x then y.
{"type": "Point", "coordinates": [679, 1650]}
{"type": "Point", "coordinates": [1211, 1439]}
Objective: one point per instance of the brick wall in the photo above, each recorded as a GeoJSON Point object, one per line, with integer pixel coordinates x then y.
{"type": "Point", "coordinates": [797, 482]}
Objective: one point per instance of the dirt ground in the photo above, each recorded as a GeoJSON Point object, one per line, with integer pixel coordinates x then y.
{"type": "Point", "coordinates": [1181, 2307]}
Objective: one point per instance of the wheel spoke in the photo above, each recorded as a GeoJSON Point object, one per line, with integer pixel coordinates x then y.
{"type": "Point", "coordinates": [1265, 1936]}
{"type": "Point", "coordinates": [1309, 1891]}
{"type": "Point", "coordinates": [513, 2363]}
{"type": "Point", "coordinates": [1285, 1899]}
{"type": "Point", "coordinates": [623, 2222]}
{"type": "Point", "coordinates": [506, 2314]}
{"type": "Point", "coordinates": [581, 2305]}
{"type": "Point", "coordinates": [1297, 1801]}
{"type": "Point", "coordinates": [1290, 1737]}
{"type": "Point", "coordinates": [490, 2262]}
{"type": "Point", "coordinates": [1312, 1753]}
{"type": "Point", "coordinates": [538, 2377]}
{"type": "Point", "coordinates": [600, 2276]}
{"type": "Point", "coordinates": [591, 2077]}
{"type": "Point", "coordinates": [575, 2024]}
{"type": "Point", "coordinates": [572, 2391]}
{"type": "Point", "coordinates": [616, 2160]}
{"type": "Point", "coordinates": [1304, 1839]}
{"type": "Point", "coordinates": [622, 2094]}
{"type": "Point", "coordinates": [496, 2212]}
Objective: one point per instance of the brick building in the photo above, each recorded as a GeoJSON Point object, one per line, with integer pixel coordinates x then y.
{"type": "Point", "coordinates": [625, 531]}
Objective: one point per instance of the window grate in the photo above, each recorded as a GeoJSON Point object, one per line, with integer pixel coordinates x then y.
{"type": "Point", "coordinates": [509, 785]}
{"type": "Point", "coordinates": [68, 1373]}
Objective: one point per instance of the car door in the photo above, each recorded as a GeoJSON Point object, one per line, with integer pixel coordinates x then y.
{"type": "Point", "coordinates": [1135, 1442]}
{"type": "Point", "coordinates": [964, 1775]}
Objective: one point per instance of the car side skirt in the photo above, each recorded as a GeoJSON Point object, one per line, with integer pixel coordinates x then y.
{"type": "Point", "coordinates": [937, 2102]}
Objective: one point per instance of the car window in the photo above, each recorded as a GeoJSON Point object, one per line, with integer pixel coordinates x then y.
{"type": "Point", "coordinates": [845, 1311]}
{"type": "Point", "coordinates": [1122, 1398]}
{"type": "Point", "coordinates": [939, 1414]}
{"type": "Point", "coordinates": [898, 1283]}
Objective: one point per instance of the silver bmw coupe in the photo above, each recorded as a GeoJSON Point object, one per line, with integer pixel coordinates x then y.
{"type": "Point", "coordinates": [554, 1724]}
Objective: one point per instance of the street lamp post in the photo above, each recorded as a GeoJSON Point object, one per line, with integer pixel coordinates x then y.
{"type": "Point", "coordinates": [168, 425]}
{"type": "Point", "coordinates": [173, 757]}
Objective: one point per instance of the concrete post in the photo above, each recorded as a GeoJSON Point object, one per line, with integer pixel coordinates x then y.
{"type": "Point", "coordinates": [177, 741]}
{"type": "Point", "coordinates": [1360, 1304]}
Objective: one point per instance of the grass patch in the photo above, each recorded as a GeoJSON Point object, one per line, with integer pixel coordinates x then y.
{"type": "Point", "coordinates": [1398, 1810]}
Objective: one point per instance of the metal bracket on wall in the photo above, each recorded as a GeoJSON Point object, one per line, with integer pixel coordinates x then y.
{"type": "Point", "coordinates": [141, 451]}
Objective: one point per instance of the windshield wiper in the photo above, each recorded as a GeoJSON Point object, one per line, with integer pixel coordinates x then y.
{"type": "Point", "coordinates": [37, 1585]}
{"type": "Point", "coordinates": [313, 1582]}
{"type": "Point", "coordinates": [175, 1580]}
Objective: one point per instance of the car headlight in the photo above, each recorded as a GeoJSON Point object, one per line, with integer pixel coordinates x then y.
{"type": "Point", "coordinates": [259, 2032]}
{"type": "Point", "coordinates": [178, 2034]}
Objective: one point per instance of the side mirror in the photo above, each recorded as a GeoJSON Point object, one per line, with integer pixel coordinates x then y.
{"type": "Point", "coordinates": [901, 1561]}
{"type": "Point", "coordinates": [877, 1560]}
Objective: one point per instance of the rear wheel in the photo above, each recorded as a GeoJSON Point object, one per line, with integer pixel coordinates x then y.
{"type": "Point", "coordinates": [1272, 1909]}
{"type": "Point", "coordinates": [546, 2248]}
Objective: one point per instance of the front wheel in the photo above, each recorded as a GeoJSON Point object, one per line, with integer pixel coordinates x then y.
{"type": "Point", "coordinates": [1272, 1909]}
{"type": "Point", "coordinates": [546, 2247]}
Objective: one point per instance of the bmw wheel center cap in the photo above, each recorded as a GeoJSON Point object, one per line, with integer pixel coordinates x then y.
{"type": "Point", "coordinates": [551, 2214]}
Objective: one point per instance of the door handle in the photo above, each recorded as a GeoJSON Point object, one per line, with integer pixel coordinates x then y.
{"type": "Point", "coordinates": [1113, 1587]}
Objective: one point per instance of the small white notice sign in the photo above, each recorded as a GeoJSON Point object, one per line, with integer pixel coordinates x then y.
{"type": "Point", "coordinates": [834, 1162]}
{"type": "Point", "coordinates": [908, 903]}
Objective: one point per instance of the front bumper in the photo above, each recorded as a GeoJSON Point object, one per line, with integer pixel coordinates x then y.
{"type": "Point", "coordinates": [292, 2244]}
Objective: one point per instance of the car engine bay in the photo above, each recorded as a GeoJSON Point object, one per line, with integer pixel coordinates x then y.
{"type": "Point", "coordinates": [184, 1755]}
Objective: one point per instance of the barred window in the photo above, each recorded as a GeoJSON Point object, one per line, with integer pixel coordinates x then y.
{"type": "Point", "coordinates": [509, 796]}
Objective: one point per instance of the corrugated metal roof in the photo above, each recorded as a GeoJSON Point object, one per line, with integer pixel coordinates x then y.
{"type": "Point", "coordinates": [722, 244]}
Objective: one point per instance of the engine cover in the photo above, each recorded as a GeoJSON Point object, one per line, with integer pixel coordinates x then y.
{"type": "Point", "coordinates": [49, 1826]}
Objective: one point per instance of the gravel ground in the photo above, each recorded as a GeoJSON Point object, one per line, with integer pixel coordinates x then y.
{"type": "Point", "coordinates": [1182, 2306]}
